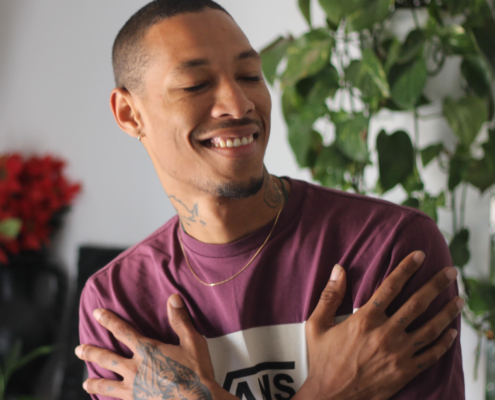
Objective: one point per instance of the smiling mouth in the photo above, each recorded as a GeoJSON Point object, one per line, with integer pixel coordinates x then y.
{"type": "Point", "coordinates": [226, 142]}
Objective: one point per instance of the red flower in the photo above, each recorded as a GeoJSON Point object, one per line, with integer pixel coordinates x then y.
{"type": "Point", "coordinates": [35, 191]}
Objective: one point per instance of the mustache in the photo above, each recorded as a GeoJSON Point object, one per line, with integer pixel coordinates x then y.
{"type": "Point", "coordinates": [230, 123]}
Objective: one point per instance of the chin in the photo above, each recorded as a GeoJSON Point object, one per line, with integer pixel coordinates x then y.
{"type": "Point", "coordinates": [239, 190]}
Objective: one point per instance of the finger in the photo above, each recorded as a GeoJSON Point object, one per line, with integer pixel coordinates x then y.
{"type": "Point", "coordinates": [419, 301]}
{"type": "Point", "coordinates": [323, 317]}
{"type": "Point", "coordinates": [434, 327]}
{"type": "Point", "coordinates": [394, 283]}
{"type": "Point", "coordinates": [122, 331]}
{"type": "Point", "coordinates": [180, 320]}
{"type": "Point", "coordinates": [431, 356]}
{"type": "Point", "coordinates": [104, 358]}
{"type": "Point", "coordinates": [105, 387]}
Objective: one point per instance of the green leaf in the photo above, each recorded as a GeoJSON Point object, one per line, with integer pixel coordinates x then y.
{"type": "Point", "coordinates": [10, 228]}
{"type": "Point", "coordinates": [413, 46]}
{"type": "Point", "coordinates": [370, 13]}
{"type": "Point", "coordinates": [485, 38]}
{"type": "Point", "coordinates": [392, 47]}
{"type": "Point", "coordinates": [307, 56]}
{"type": "Point", "coordinates": [330, 166]}
{"type": "Point", "coordinates": [465, 117]}
{"type": "Point", "coordinates": [481, 299]}
{"type": "Point", "coordinates": [478, 77]}
{"type": "Point", "coordinates": [272, 55]}
{"type": "Point", "coordinates": [324, 86]}
{"type": "Point", "coordinates": [411, 202]}
{"type": "Point", "coordinates": [459, 248]}
{"type": "Point", "coordinates": [407, 82]}
{"type": "Point", "coordinates": [430, 204]}
{"type": "Point", "coordinates": [413, 183]}
{"type": "Point", "coordinates": [333, 10]}
{"type": "Point", "coordinates": [12, 359]}
{"type": "Point", "coordinates": [305, 146]}
{"type": "Point", "coordinates": [369, 77]}
{"type": "Point", "coordinates": [395, 158]}
{"type": "Point", "coordinates": [352, 135]}
{"type": "Point", "coordinates": [435, 13]}
{"type": "Point", "coordinates": [456, 40]}
{"type": "Point", "coordinates": [457, 171]}
{"type": "Point", "coordinates": [431, 152]}
{"type": "Point", "coordinates": [38, 352]}
{"type": "Point", "coordinates": [481, 173]}
{"type": "Point", "coordinates": [305, 7]}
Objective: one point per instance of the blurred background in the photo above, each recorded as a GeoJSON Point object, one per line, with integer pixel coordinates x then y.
{"type": "Point", "coordinates": [55, 81]}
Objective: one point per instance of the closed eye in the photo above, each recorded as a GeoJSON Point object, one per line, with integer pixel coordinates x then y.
{"type": "Point", "coordinates": [195, 88]}
{"type": "Point", "coordinates": [251, 78]}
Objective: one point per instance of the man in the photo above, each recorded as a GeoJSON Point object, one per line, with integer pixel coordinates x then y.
{"type": "Point", "coordinates": [251, 254]}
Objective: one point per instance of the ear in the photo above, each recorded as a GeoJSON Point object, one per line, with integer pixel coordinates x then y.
{"type": "Point", "coordinates": [124, 109]}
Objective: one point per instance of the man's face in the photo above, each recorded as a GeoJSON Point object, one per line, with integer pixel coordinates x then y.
{"type": "Point", "coordinates": [205, 108]}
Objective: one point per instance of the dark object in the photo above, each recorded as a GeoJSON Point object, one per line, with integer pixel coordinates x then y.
{"type": "Point", "coordinates": [91, 259]}
{"type": "Point", "coordinates": [411, 3]}
{"type": "Point", "coordinates": [32, 297]}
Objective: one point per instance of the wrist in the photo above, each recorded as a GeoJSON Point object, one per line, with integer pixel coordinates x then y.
{"type": "Point", "coordinates": [219, 393]}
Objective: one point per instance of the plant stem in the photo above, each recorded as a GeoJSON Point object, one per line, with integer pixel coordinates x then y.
{"type": "Point", "coordinates": [463, 205]}
{"type": "Point", "coordinates": [415, 16]}
{"type": "Point", "coordinates": [416, 137]}
{"type": "Point", "coordinates": [477, 357]}
{"type": "Point", "coordinates": [454, 211]}
{"type": "Point", "coordinates": [348, 61]}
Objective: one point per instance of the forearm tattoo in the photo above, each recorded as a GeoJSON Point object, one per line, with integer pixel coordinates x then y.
{"type": "Point", "coordinates": [160, 377]}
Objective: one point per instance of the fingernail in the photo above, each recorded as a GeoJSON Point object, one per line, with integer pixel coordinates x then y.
{"type": "Point", "coordinates": [79, 351]}
{"type": "Point", "coordinates": [176, 301]}
{"type": "Point", "coordinates": [336, 272]}
{"type": "Point", "coordinates": [453, 334]}
{"type": "Point", "coordinates": [459, 303]}
{"type": "Point", "coordinates": [451, 273]}
{"type": "Point", "coordinates": [419, 257]}
{"type": "Point", "coordinates": [97, 313]}
{"type": "Point", "coordinates": [85, 385]}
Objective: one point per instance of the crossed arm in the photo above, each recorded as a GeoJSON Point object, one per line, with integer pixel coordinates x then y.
{"type": "Point", "coordinates": [369, 356]}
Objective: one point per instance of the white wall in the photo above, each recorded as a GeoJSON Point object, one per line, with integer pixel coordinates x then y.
{"type": "Point", "coordinates": [55, 79]}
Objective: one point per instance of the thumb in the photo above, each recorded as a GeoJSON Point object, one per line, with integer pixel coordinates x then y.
{"type": "Point", "coordinates": [180, 320]}
{"type": "Point", "coordinates": [323, 317]}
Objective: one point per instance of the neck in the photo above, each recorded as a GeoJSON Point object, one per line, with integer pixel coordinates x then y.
{"type": "Point", "coordinates": [215, 220]}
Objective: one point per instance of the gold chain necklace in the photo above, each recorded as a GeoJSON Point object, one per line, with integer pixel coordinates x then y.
{"type": "Point", "coordinates": [232, 277]}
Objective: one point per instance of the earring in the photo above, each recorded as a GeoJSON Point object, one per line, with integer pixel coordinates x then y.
{"type": "Point", "coordinates": [139, 136]}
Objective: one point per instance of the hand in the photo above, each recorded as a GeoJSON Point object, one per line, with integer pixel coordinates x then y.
{"type": "Point", "coordinates": [156, 370]}
{"type": "Point", "coordinates": [370, 356]}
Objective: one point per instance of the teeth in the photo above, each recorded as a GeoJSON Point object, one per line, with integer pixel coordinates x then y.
{"type": "Point", "coordinates": [237, 142]}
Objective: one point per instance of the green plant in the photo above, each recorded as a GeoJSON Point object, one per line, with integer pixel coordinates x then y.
{"type": "Point", "coordinates": [340, 76]}
{"type": "Point", "coordinates": [14, 361]}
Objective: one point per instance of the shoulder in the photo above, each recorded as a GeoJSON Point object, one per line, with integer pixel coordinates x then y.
{"type": "Point", "coordinates": [348, 210]}
{"type": "Point", "coordinates": [151, 251]}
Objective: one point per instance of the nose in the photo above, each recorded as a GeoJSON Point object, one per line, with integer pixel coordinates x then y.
{"type": "Point", "coordinates": [231, 101]}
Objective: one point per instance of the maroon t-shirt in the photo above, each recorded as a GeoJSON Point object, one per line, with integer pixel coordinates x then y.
{"type": "Point", "coordinates": [254, 324]}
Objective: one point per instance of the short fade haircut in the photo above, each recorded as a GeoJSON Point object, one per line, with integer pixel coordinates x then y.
{"type": "Point", "coordinates": [129, 55]}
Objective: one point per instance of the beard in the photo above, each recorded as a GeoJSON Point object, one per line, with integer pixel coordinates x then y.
{"type": "Point", "coordinates": [235, 191]}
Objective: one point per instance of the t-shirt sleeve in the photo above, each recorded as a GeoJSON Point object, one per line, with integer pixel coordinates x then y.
{"type": "Point", "coordinates": [445, 379]}
{"type": "Point", "coordinates": [92, 333]}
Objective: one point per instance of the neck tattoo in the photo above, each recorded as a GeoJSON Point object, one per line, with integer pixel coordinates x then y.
{"type": "Point", "coordinates": [250, 261]}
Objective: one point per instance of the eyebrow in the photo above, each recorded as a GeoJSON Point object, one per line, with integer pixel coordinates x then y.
{"type": "Point", "coordinates": [200, 62]}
